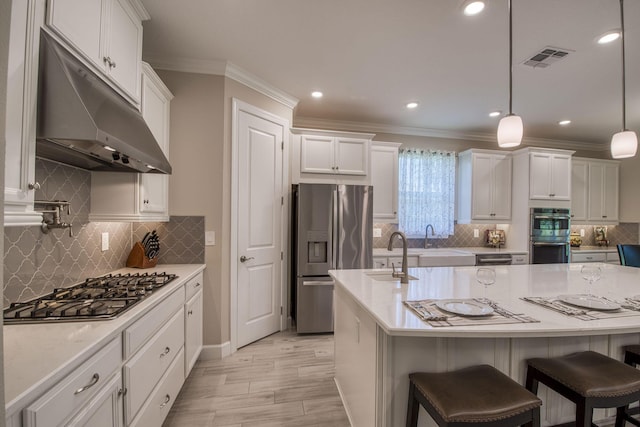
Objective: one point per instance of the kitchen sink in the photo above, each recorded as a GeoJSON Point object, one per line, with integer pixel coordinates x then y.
{"type": "Point", "coordinates": [445, 258]}
{"type": "Point", "coordinates": [385, 276]}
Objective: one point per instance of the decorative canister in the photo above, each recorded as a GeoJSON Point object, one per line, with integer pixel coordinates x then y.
{"type": "Point", "coordinates": [575, 240]}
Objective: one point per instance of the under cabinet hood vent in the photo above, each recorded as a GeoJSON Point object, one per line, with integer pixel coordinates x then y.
{"type": "Point", "coordinates": [547, 56]}
{"type": "Point", "coordinates": [85, 123]}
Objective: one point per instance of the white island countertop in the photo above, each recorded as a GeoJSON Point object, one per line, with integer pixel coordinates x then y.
{"type": "Point", "coordinates": [377, 252]}
{"type": "Point", "coordinates": [37, 355]}
{"type": "Point", "coordinates": [383, 299]}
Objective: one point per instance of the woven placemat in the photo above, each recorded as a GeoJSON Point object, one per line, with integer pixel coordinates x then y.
{"type": "Point", "coordinates": [436, 317]}
{"type": "Point", "coordinates": [629, 307]}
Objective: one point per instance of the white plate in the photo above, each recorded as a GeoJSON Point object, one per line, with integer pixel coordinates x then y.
{"type": "Point", "coordinates": [464, 307]}
{"type": "Point", "coordinates": [589, 301]}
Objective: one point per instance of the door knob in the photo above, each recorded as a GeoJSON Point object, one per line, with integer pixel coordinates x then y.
{"type": "Point", "coordinates": [245, 259]}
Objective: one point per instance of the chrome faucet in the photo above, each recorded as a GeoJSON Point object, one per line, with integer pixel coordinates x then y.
{"type": "Point", "coordinates": [404, 276]}
{"type": "Point", "coordinates": [426, 236]}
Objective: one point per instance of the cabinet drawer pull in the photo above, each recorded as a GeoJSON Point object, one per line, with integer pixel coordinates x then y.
{"type": "Point", "coordinates": [190, 312]}
{"type": "Point", "coordinates": [165, 352]}
{"type": "Point", "coordinates": [94, 381]}
{"type": "Point", "coordinates": [197, 284]}
{"type": "Point", "coordinates": [122, 392]}
{"type": "Point", "coordinates": [167, 398]}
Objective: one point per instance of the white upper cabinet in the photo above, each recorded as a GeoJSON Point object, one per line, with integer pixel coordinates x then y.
{"type": "Point", "coordinates": [330, 156]}
{"type": "Point", "coordinates": [550, 176]}
{"type": "Point", "coordinates": [579, 189]}
{"type": "Point", "coordinates": [594, 191]}
{"type": "Point", "coordinates": [484, 186]}
{"type": "Point", "coordinates": [20, 118]}
{"type": "Point", "coordinates": [133, 196]}
{"type": "Point", "coordinates": [603, 191]}
{"type": "Point", "coordinates": [107, 33]}
{"type": "Point", "coordinates": [384, 178]}
{"type": "Point", "coordinates": [334, 155]}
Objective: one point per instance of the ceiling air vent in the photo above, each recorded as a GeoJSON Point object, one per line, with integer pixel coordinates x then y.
{"type": "Point", "coordinates": [547, 56]}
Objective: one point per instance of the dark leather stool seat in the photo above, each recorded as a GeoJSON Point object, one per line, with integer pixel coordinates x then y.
{"type": "Point", "coordinates": [632, 358]}
{"type": "Point", "coordinates": [478, 395]}
{"type": "Point", "coordinates": [590, 380]}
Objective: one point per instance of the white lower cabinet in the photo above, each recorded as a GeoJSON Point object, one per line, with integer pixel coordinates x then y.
{"type": "Point", "coordinates": [147, 366]}
{"type": "Point", "coordinates": [105, 410]}
{"type": "Point", "coordinates": [396, 261]}
{"type": "Point", "coordinates": [159, 403]}
{"type": "Point", "coordinates": [71, 395]}
{"type": "Point", "coordinates": [135, 378]}
{"type": "Point", "coordinates": [192, 331]}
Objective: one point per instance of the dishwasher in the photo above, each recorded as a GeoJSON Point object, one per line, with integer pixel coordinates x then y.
{"type": "Point", "coordinates": [493, 259]}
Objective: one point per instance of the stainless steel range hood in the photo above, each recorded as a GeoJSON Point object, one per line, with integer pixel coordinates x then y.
{"type": "Point", "coordinates": [85, 123]}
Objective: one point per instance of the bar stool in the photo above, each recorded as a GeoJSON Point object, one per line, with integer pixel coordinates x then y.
{"type": "Point", "coordinates": [474, 396]}
{"type": "Point", "coordinates": [588, 379]}
{"type": "Point", "coordinates": [631, 358]}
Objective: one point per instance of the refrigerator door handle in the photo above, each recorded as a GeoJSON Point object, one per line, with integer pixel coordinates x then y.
{"type": "Point", "coordinates": [334, 225]}
{"type": "Point", "coordinates": [317, 283]}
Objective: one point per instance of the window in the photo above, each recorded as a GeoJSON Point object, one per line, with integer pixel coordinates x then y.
{"type": "Point", "coordinates": [426, 191]}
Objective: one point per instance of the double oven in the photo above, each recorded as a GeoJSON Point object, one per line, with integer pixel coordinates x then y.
{"type": "Point", "coordinates": [549, 238]}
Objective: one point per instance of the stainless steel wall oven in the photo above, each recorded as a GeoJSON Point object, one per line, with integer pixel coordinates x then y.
{"type": "Point", "coordinates": [550, 230]}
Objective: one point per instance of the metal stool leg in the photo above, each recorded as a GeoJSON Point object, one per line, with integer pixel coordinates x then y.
{"type": "Point", "coordinates": [412, 407]}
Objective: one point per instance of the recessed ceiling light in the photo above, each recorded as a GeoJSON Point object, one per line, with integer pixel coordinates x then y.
{"type": "Point", "coordinates": [495, 113]}
{"type": "Point", "coordinates": [412, 105]}
{"type": "Point", "coordinates": [609, 37]}
{"type": "Point", "coordinates": [106, 147]}
{"type": "Point", "coordinates": [316, 94]}
{"type": "Point", "coordinates": [564, 122]}
{"type": "Point", "coordinates": [473, 8]}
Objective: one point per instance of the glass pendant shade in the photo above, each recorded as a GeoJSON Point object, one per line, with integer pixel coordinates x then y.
{"type": "Point", "coordinates": [624, 144]}
{"type": "Point", "coordinates": [510, 131]}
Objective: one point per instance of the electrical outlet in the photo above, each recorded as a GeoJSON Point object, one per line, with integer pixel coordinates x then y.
{"type": "Point", "coordinates": [105, 241]}
{"type": "Point", "coordinates": [582, 232]}
{"type": "Point", "coordinates": [476, 232]}
{"type": "Point", "coordinates": [210, 238]}
{"type": "Point", "coordinates": [377, 232]}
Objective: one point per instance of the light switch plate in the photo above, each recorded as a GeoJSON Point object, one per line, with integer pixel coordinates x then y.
{"type": "Point", "coordinates": [377, 232]}
{"type": "Point", "coordinates": [476, 232]}
{"type": "Point", "coordinates": [210, 238]}
{"type": "Point", "coordinates": [582, 232]}
{"type": "Point", "coordinates": [105, 241]}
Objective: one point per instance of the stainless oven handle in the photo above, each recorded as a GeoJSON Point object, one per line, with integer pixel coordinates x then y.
{"type": "Point", "coordinates": [548, 244]}
{"type": "Point", "coordinates": [551, 217]}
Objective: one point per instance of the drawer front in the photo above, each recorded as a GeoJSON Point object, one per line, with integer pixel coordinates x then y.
{"type": "Point", "coordinates": [613, 258]}
{"type": "Point", "coordinates": [519, 259]}
{"type": "Point", "coordinates": [194, 285]}
{"type": "Point", "coordinates": [589, 257]}
{"type": "Point", "coordinates": [145, 368]}
{"type": "Point", "coordinates": [412, 261]}
{"type": "Point", "coordinates": [193, 331]}
{"type": "Point", "coordinates": [72, 392]}
{"type": "Point", "coordinates": [157, 407]}
{"type": "Point", "coordinates": [137, 334]}
{"type": "Point", "coordinates": [105, 410]}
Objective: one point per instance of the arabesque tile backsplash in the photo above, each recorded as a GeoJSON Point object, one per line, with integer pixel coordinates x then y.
{"type": "Point", "coordinates": [463, 235]}
{"type": "Point", "coordinates": [35, 263]}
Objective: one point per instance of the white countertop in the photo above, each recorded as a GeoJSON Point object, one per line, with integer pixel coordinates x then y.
{"type": "Point", "coordinates": [463, 250]}
{"type": "Point", "coordinates": [383, 299]}
{"type": "Point", "coordinates": [38, 355]}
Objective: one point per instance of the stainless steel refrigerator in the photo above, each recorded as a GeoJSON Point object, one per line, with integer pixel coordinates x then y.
{"type": "Point", "coordinates": [332, 229]}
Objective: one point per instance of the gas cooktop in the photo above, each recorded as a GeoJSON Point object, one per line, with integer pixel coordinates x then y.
{"type": "Point", "coordinates": [99, 298]}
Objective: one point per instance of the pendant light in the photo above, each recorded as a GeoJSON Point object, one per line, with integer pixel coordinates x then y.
{"type": "Point", "coordinates": [624, 144]}
{"type": "Point", "coordinates": [510, 126]}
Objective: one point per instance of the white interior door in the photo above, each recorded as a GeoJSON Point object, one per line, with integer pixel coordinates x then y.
{"type": "Point", "coordinates": [259, 247]}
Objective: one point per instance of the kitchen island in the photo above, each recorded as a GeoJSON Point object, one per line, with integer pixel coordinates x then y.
{"type": "Point", "coordinates": [379, 341]}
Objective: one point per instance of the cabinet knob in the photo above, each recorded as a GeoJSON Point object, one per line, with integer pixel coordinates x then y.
{"type": "Point", "coordinates": [145, 201]}
{"type": "Point", "coordinates": [190, 312]}
{"type": "Point", "coordinates": [34, 185]}
{"type": "Point", "coordinates": [113, 64]}
{"type": "Point", "coordinates": [552, 195]}
{"type": "Point", "coordinates": [167, 398]}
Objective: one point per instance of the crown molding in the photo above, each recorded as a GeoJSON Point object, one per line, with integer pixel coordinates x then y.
{"type": "Point", "coordinates": [309, 122]}
{"type": "Point", "coordinates": [241, 76]}
{"type": "Point", "coordinates": [226, 69]}
{"type": "Point", "coordinates": [140, 10]}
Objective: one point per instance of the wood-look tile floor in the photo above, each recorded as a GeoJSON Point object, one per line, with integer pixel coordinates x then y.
{"type": "Point", "coordinates": [282, 380]}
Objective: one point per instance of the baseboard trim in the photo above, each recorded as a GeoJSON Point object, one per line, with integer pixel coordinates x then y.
{"type": "Point", "coordinates": [216, 351]}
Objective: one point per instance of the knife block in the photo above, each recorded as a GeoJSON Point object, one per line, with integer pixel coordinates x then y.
{"type": "Point", "coordinates": [137, 258]}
